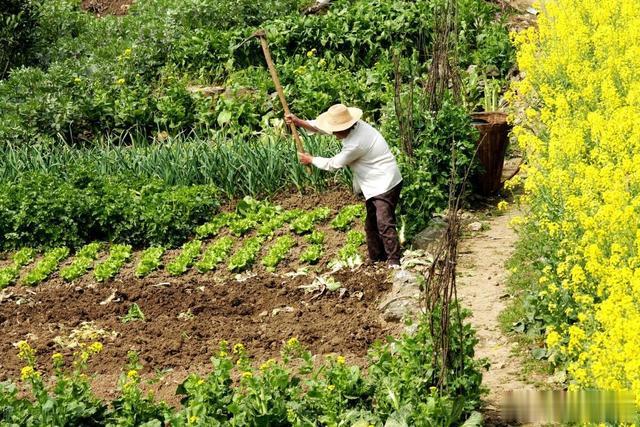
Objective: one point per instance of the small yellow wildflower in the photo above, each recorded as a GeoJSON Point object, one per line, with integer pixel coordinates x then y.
{"type": "Point", "coordinates": [132, 374]}
{"type": "Point", "coordinates": [25, 351]}
{"type": "Point", "coordinates": [28, 373]}
{"type": "Point", "coordinates": [331, 387]}
{"type": "Point", "coordinates": [200, 381]}
{"type": "Point", "coordinates": [502, 205]}
{"type": "Point", "coordinates": [127, 52]}
{"type": "Point", "coordinates": [96, 347]}
{"type": "Point", "coordinates": [553, 339]}
{"type": "Point", "coordinates": [311, 53]}
{"type": "Point", "coordinates": [266, 365]}
{"type": "Point", "coordinates": [341, 360]}
{"type": "Point", "coordinates": [77, 80]}
{"type": "Point", "coordinates": [120, 81]}
{"type": "Point", "coordinates": [238, 348]}
{"type": "Point", "coordinates": [293, 342]}
{"type": "Point", "coordinates": [193, 419]}
{"type": "Point", "coordinates": [247, 374]}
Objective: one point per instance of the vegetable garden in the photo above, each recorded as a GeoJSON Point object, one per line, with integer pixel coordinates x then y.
{"type": "Point", "coordinates": [152, 211]}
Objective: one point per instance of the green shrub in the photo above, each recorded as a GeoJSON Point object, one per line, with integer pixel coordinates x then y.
{"type": "Point", "coordinates": [18, 22]}
{"type": "Point", "coordinates": [46, 210]}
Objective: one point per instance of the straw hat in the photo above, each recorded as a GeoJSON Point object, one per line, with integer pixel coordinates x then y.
{"type": "Point", "coordinates": [338, 118]}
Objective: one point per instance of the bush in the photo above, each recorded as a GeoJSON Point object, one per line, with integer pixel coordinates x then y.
{"type": "Point", "coordinates": [426, 174]}
{"type": "Point", "coordinates": [42, 209]}
{"type": "Point", "coordinates": [130, 74]}
{"type": "Point", "coordinates": [18, 22]}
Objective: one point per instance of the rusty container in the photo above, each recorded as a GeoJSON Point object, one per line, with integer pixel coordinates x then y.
{"type": "Point", "coordinates": [492, 147]}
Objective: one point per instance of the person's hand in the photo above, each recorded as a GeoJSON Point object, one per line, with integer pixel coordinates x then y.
{"type": "Point", "coordinates": [291, 119]}
{"type": "Point", "coordinates": [305, 158]}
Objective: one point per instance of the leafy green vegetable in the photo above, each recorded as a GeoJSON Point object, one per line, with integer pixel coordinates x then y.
{"type": "Point", "coordinates": [316, 237]}
{"type": "Point", "coordinates": [312, 254]}
{"type": "Point", "coordinates": [215, 254]}
{"type": "Point", "coordinates": [190, 252]}
{"type": "Point", "coordinates": [134, 314]}
{"type": "Point", "coordinates": [242, 226]}
{"type": "Point", "coordinates": [349, 253]}
{"type": "Point", "coordinates": [356, 238]}
{"type": "Point", "coordinates": [47, 265]}
{"type": "Point", "coordinates": [278, 252]}
{"type": "Point", "coordinates": [304, 223]}
{"type": "Point", "coordinates": [83, 261]}
{"type": "Point", "coordinates": [246, 255]}
{"type": "Point", "coordinates": [347, 216]}
{"type": "Point", "coordinates": [150, 260]}
{"type": "Point", "coordinates": [107, 269]}
{"type": "Point", "coordinates": [212, 228]}
{"type": "Point", "coordinates": [10, 274]}
{"type": "Point", "coordinates": [292, 214]}
{"type": "Point", "coordinates": [24, 256]}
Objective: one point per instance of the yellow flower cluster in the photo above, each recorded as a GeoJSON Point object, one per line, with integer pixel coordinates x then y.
{"type": "Point", "coordinates": [580, 127]}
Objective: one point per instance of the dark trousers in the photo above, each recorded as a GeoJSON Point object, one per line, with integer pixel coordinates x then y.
{"type": "Point", "coordinates": [380, 225]}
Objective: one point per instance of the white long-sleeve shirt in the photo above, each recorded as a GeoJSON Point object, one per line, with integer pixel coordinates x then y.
{"type": "Point", "coordinates": [364, 150]}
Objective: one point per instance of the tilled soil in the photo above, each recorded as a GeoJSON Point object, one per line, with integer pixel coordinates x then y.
{"type": "Point", "coordinates": [186, 317]}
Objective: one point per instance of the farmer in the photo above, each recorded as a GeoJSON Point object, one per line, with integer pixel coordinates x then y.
{"type": "Point", "coordinates": [375, 173]}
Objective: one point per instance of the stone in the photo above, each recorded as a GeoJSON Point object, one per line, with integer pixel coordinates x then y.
{"type": "Point", "coordinates": [429, 238]}
{"type": "Point", "coordinates": [403, 299]}
{"type": "Point", "coordinates": [475, 226]}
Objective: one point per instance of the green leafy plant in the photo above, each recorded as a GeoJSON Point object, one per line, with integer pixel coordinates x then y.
{"type": "Point", "coordinates": [150, 260]}
{"type": "Point", "coordinates": [9, 274]}
{"type": "Point", "coordinates": [246, 255]}
{"type": "Point", "coordinates": [215, 254]}
{"type": "Point", "coordinates": [278, 252]}
{"type": "Point", "coordinates": [107, 269]}
{"type": "Point", "coordinates": [46, 266]}
{"type": "Point", "coordinates": [82, 262]}
{"type": "Point", "coordinates": [356, 238]}
{"type": "Point", "coordinates": [347, 216]}
{"type": "Point", "coordinates": [312, 254]}
{"type": "Point", "coordinates": [133, 314]}
{"type": "Point", "coordinates": [306, 222]}
{"type": "Point", "coordinates": [186, 258]}
{"type": "Point", "coordinates": [316, 237]}
{"type": "Point", "coordinates": [349, 253]}
{"type": "Point", "coordinates": [268, 227]}
{"type": "Point", "coordinates": [242, 226]}
{"type": "Point", "coordinates": [212, 228]}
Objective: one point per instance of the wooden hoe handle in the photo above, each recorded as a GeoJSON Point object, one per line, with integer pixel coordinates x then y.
{"type": "Point", "coordinates": [262, 35]}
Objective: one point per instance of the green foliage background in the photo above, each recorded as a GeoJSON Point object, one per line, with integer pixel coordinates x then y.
{"type": "Point", "coordinates": [109, 96]}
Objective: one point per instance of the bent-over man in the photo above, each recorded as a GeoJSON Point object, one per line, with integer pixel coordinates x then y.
{"type": "Point", "coordinates": [375, 173]}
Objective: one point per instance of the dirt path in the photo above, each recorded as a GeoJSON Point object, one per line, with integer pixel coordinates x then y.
{"type": "Point", "coordinates": [482, 288]}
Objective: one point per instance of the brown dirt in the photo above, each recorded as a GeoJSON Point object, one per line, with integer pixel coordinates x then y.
{"type": "Point", "coordinates": [262, 312]}
{"type": "Point", "coordinates": [107, 7]}
{"type": "Point", "coordinates": [482, 288]}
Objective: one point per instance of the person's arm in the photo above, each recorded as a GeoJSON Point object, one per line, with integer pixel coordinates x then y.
{"type": "Point", "coordinates": [349, 154]}
{"type": "Point", "coordinates": [291, 118]}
